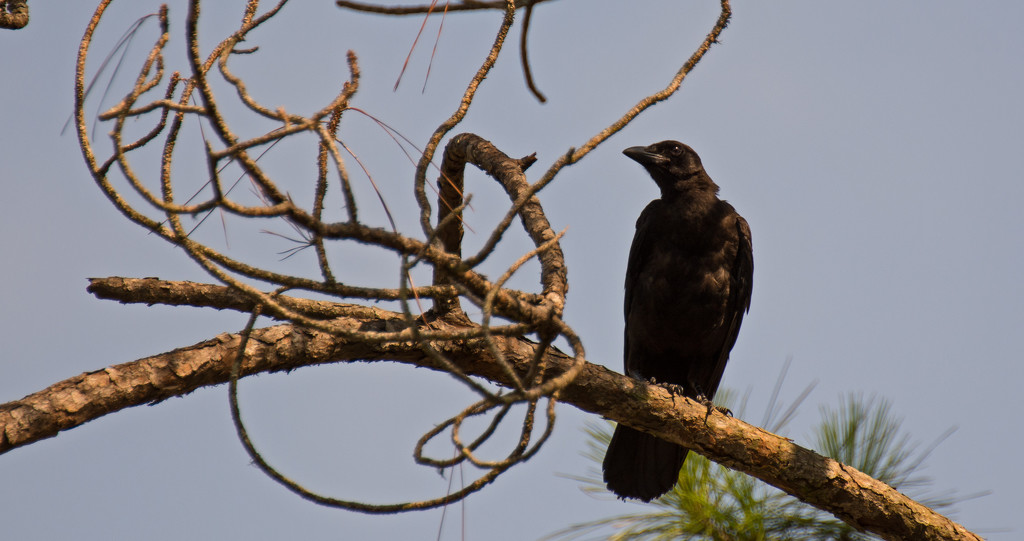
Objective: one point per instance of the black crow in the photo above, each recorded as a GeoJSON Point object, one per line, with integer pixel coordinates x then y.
{"type": "Point", "coordinates": [688, 284]}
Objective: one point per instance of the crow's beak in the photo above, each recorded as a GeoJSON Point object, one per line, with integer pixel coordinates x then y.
{"type": "Point", "coordinates": [643, 156]}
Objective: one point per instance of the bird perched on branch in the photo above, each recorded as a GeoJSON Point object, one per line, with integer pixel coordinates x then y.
{"type": "Point", "coordinates": [688, 284]}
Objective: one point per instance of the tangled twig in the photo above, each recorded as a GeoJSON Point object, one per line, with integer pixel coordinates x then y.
{"type": "Point", "coordinates": [170, 100]}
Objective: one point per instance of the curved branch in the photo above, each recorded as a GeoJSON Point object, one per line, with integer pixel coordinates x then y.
{"type": "Point", "coordinates": [524, 58]}
{"type": "Point", "coordinates": [469, 148]}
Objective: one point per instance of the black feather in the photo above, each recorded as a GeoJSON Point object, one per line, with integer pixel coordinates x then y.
{"type": "Point", "coordinates": [688, 284]}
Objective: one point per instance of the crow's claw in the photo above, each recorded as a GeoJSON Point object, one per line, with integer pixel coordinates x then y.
{"type": "Point", "coordinates": [675, 389]}
{"type": "Point", "coordinates": [707, 403]}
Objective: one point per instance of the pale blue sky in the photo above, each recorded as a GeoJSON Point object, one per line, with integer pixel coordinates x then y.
{"type": "Point", "coordinates": [874, 147]}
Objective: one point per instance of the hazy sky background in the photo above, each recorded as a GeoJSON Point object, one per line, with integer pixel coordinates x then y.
{"type": "Point", "coordinates": [874, 147]}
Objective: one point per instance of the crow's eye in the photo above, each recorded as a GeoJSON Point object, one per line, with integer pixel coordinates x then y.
{"type": "Point", "coordinates": [676, 150]}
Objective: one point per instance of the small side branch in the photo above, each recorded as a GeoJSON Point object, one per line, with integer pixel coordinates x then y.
{"type": "Point", "coordinates": [428, 9]}
{"type": "Point", "coordinates": [155, 291]}
{"type": "Point", "coordinates": [576, 154]}
{"type": "Point", "coordinates": [460, 113]}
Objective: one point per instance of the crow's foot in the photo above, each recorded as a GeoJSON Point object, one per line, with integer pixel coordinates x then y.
{"type": "Point", "coordinates": [707, 403]}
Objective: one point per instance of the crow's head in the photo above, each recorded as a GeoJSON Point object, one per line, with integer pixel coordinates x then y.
{"type": "Point", "coordinates": [673, 165]}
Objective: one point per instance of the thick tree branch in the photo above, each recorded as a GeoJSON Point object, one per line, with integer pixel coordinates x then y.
{"type": "Point", "coordinates": [851, 495]}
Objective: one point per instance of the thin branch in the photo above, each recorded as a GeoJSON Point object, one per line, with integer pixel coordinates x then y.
{"type": "Point", "coordinates": [467, 98]}
{"type": "Point", "coordinates": [465, 5]}
{"type": "Point", "coordinates": [524, 58]}
{"type": "Point", "coordinates": [574, 155]}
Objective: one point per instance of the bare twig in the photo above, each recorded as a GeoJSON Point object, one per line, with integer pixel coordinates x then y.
{"type": "Point", "coordinates": [464, 5]}
{"type": "Point", "coordinates": [467, 98]}
{"type": "Point", "coordinates": [574, 155]}
{"type": "Point", "coordinates": [524, 58]}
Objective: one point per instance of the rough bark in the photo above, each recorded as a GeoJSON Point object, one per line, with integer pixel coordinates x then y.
{"type": "Point", "coordinates": [862, 501]}
{"type": "Point", "coordinates": [13, 14]}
